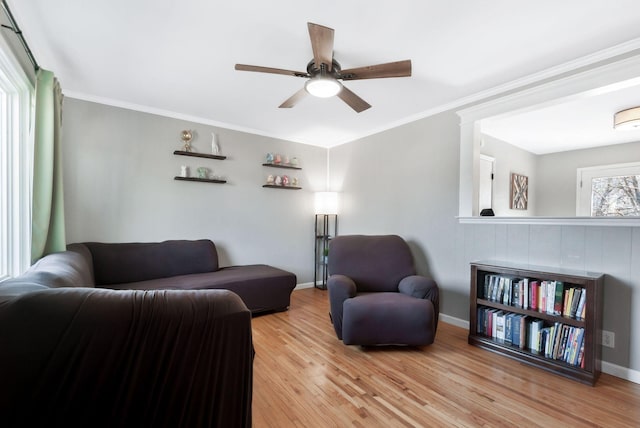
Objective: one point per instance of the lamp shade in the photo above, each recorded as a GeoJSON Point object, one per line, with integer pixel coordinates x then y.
{"type": "Point", "coordinates": [326, 203]}
{"type": "Point", "coordinates": [627, 119]}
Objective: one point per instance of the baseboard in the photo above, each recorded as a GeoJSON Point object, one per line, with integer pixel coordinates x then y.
{"type": "Point", "coordinates": [608, 368]}
{"type": "Point", "coordinates": [621, 372]}
{"type": "Point", "coordinates": [458, 322]}
{"type": "Point", "coordinates": [303, 286]}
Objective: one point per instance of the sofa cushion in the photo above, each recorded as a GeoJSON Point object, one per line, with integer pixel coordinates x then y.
{"type": "Point", "coordinates": [120, 263]}
{"type": "Point", "coordinates": [261, 287]}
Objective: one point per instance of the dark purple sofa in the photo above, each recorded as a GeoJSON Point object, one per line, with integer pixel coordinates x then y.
{"type": "Point", "coordinates": [133, 335]}
{"type": "Point", "coordinates": [183, 265]}
{"type": "Point", "coordinates": [88, 357]}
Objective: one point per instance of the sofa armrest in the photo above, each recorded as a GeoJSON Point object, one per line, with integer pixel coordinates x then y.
{"type": "Point", "coordinates": [340, 288]}
{"type": "Point", "coordinates": [422, 287]}
{"type": "Point", "coordinates": [95, 357]}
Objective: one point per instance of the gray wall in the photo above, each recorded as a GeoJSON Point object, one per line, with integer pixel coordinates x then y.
{"type": "Point", "coordinates": [557, 175]}
{"type": "Point", "coordinates": [405, 181]}
{"type": "Point", "coordinates": [119, 187]}
{"type": "Point", "coordinates": [510, 159]}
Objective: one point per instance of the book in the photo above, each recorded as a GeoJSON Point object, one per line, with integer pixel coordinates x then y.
{"type": "Point", "coordinates": [558, 297]}
{"type": "Point", "coordinates": [499, 324]}
{"type": "Point", "coordinates": [574, 302]}
{"type": "Point", "coordinates": [568, 295]}
{"type": "Point", "coordinates": [536, 328]}
{"type": "Point", "coordinates": [581, 304]}
{"type": "Point", "coordinates": [525, 292]}
{"type": "Point", "coordinates": [506, 297]}
{"type": "Point", "coordinates": [487, 281]}
{"type": "Point", "coordinates": [542, 303]}
{"type": "Point", "coordinates": [535, 286]}
{"type": "Point", "coordinates": [508, 332]}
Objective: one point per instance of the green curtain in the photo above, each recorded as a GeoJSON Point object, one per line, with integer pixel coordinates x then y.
{"type": "Point", "coordinates": [47, 223]}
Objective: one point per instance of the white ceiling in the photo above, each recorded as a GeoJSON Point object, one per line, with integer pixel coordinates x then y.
{"type": "Point", "coordinates": [177, 57]}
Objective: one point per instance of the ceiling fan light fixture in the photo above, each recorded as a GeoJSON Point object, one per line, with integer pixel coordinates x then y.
{"type": "Point", "coordinates": [323, 87]}
{"type": "Point", "coordinates": [628, 119]}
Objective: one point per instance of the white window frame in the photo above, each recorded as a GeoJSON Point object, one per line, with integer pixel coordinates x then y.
{"type": "Point", "coordinates": [586, 175]}
{"type": "Point", "coordinates": [16, 163]}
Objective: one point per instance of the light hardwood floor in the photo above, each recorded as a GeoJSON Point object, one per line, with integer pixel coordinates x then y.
{"type": "Point", "coordinates": [305, 377]}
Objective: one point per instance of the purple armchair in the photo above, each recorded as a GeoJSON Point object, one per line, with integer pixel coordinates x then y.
{"type": "Point", "coordinates": [375, 296]}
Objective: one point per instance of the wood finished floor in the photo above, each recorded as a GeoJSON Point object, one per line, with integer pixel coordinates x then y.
{"type": "Point", "coordinates": [305, 377]}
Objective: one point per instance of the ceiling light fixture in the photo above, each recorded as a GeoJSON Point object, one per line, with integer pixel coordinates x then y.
{"type": "Point", "coordinates": [323, 87]}
{"type": "Point", "coordinates": [628, 119]}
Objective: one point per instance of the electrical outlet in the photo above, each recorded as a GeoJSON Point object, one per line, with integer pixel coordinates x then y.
{"type": "Point", "coordinates": [608, 339]}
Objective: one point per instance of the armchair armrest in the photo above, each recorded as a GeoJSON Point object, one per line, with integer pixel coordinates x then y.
{"type": "Point", "coordinates": [340, 288]}
{"type": "Point", "coordinates": [422, 287]}
{"type": "Point", "coordinates": [97, 357]}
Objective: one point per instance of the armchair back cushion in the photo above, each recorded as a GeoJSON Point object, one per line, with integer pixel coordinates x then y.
{"type": "Point", "coordinates": [374, 263]}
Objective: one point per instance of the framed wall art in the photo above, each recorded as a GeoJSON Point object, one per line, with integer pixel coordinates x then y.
{"type": "Point", "coordinates": [519, 192]}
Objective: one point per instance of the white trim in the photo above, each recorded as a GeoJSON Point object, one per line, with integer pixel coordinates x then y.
{"type": "Point", "coordinates": [458, 322]}
{"type": "Point", "coordinates": [584, 182]}
{"type": "Point", "coordinates": [621, 372]}
{"type": "Point", "coordinates": [17, 148]}
{"type": "Point", "coordinates": [174, 115]}
{"type": "Point", "coordinates": [555, 221]}
{"type": "Point", "coordinates": [303, 286]}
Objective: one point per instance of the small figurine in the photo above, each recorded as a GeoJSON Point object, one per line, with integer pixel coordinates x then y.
{"type": "Point", "coordinates": [294, 181]}
{"type": "Point", "coordinates": [269, 157]}
{"type": "Point", "coordinates": [285, 180]}
{"type": "Point", "coordinates": [215, 148]}
{"type": "Point", "coordinates": [286, 160]}
{"type": "Point", "coordinates": [186, 138]}
{"type": "Point", "coordinates": [202, 172]}
{"type": "Point", "coordinates": [278, 181]}
{"type": "Point", "coordinates": [294, 161]}
{"type": "Point", "coordinates": [277, 159]}
{"type": "Point", "coordinates": [184, 171]}
{"type": "Point", "coordinates": [270, 179]}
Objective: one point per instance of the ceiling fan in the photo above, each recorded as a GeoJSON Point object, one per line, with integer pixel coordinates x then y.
{"type": "Point", "coordinates": [324, 73]}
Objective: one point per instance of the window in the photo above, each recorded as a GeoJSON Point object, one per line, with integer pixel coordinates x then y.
{"type": "Point", "coordinates": [16, 102]}
{"type": "Point", "coordinates": [609, 191]}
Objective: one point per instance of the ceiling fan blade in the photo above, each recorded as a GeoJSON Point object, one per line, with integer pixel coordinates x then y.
{"type": "Point", "coordinates": [354, 101]}
{"type": "Point", "coordinates": [294, 99]}
{"type": "Point", "coordinates": [390, 69]}
{"type": "Point", "coordinates": [322, 44]}
{"type": "Point", "coordinates": [259, 69]}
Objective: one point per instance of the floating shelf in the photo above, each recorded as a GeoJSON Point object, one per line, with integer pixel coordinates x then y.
{"type": "Point", "coordinates": [198, 155]}
{"type": "Point", "coordinates": [285, 166]}
{"type": "Point", "coordinates": [203, 180]}
{"type": "Point", "coordinates": [273, 186]}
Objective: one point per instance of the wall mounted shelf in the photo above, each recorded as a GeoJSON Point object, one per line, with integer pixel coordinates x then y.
{"type": "Point", "coordinates": [203, 180]}
{"type": "Point", "coordinates": [273, 186]}
{"type": "Point", "coordinates": [285, 166]}
{"type": "Point", "coordinates": [199, 155]}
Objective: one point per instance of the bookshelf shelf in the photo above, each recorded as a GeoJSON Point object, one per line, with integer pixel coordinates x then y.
{"type": "Point", "coordinates": [572, 348]}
